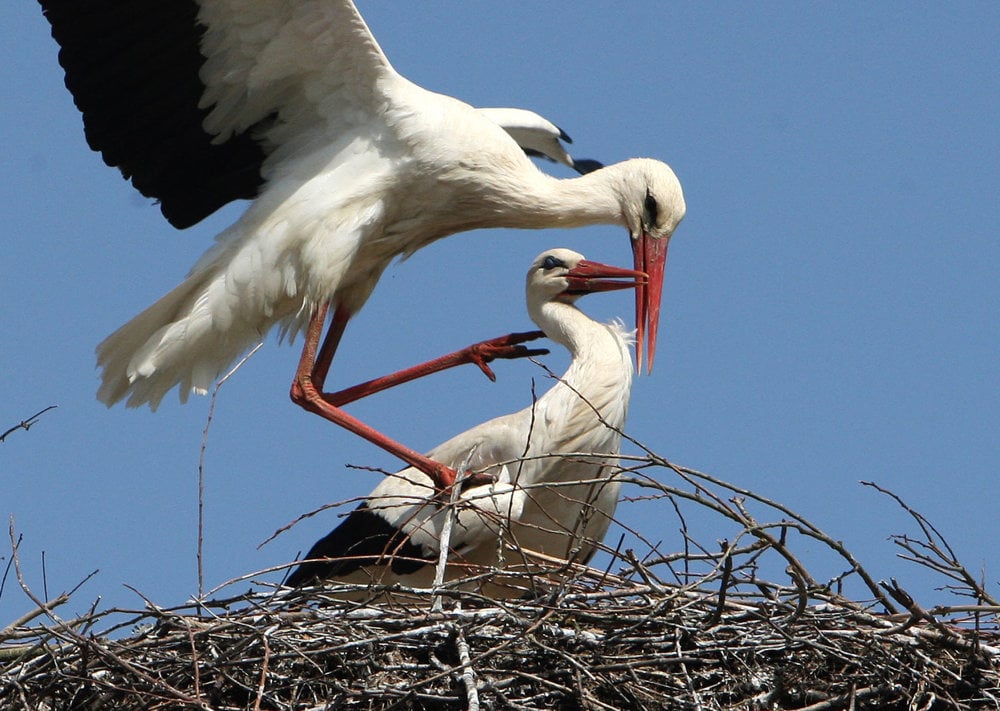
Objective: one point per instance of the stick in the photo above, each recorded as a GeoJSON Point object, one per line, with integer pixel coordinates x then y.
{"type": "Point", "coordinates": [26, 423]}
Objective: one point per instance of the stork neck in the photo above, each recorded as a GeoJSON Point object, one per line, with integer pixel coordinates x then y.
{"type": "Point", "coordinates": [584, 338]}
{"type": "Point", "coordinates": [544, 201]}
{"type": "Point", "coordinates": [600, 374]}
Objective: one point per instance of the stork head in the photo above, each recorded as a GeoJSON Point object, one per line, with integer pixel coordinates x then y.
{"type": "Point", "coordinates": [564, 275]}
{"type": "Point", "coordinates": [652, 207]}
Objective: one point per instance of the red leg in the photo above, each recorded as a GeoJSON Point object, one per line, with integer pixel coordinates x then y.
{"type": "Point", "coordinates": [306, 393]}
{"type": "Point", "coordinates": [478, 353]}
{"type": "Point", "coordinates": [307, 389]}
{"type": "Point", "coordinates": [321, 362]}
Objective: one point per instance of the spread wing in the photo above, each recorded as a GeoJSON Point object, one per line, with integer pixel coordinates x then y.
{"type": "Point", "coordinates": [189, 98]}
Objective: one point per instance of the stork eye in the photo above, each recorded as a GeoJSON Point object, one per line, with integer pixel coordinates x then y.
{"type": "Point", "coordinates": [551, 262]}
{"type": "Point", "coordinates": [649, 210]}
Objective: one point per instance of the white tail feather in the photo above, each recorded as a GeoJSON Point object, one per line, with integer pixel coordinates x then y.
{"type": "Point", "coordinates": [290, 251]}
{"type": "Point", "coordinates": [188, 337]}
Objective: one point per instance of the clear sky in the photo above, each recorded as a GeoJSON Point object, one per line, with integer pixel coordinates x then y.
{"type": "Point", "coordinates": [831, 308]}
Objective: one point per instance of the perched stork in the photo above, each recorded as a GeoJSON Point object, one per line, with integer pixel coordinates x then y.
{"type": "Point", "coordinates": [293, 105]}
{"type": "Point", "coordinates": [539, 501]}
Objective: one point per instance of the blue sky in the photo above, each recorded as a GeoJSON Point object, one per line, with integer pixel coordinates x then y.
{"type": "Point", "coordinates": [831, 308]}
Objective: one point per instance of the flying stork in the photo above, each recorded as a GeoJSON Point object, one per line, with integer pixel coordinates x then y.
{"type": "Point", "coordinates": [293, 105]}
{"type": "Point", "coordinates": [539, 501]}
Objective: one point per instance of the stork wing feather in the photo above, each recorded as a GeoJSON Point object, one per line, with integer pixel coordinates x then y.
{"type": "Point", "coordinates": [363, 539]}
{"type": "Point", "coordinates": [187, 98]}
{"type": "Point", "coordinates": [299, 62]}
{"type": "Point", "coordinates": [538, 136]}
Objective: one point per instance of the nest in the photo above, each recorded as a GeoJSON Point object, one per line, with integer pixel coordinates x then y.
{"type": "Point", "coordinates": [740, 624]}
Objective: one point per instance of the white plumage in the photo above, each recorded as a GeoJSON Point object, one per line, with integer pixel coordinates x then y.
{"type": "Point", "coordinates": [540, 501]}
{"type": "Point", "coordinates": [350, 165]}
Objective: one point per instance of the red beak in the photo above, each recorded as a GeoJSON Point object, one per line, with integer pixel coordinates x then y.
{"type": "Point", "coordinates": [587, 277]}
{"type": "Point", "coordinates": [650, 256]}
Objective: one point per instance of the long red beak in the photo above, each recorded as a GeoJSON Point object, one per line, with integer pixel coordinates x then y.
{"type": "Point", "coordinates": [650, 256]}
{"type": "Point", "coordinates": [587, 277]}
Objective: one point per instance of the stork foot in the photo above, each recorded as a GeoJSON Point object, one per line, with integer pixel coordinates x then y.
{"type": "Point", "coordinates": [507, 347]}
{"type": "Point", "coordinates": [471, 481]}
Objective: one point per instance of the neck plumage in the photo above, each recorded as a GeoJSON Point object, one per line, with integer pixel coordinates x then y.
{"type": "Point", "coordinates": [534, 200]}
{"type": "Point", "coordinates": [600, 374]}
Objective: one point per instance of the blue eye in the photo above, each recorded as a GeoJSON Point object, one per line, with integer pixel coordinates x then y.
{"type": "Point", "coordinates": [551, 262]}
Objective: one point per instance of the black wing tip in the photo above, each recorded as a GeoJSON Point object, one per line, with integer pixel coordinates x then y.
{"type": "Point", "coordinates": [538, 154]}
{"type": "Point", "coordinates": [302, 576]}
{"type": "Point", "coordinates": [364, 538]}
{"type": "Point", "coordinates": [133, 72]}
{"type": "Point", "coordinates": [586, 165]}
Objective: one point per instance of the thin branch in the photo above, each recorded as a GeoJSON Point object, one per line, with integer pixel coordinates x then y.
{"type": "Point", "coordinates": [26, 424]}
{"type": "Point", "coordinates": [468, 675]}
{"type": "Point", "coordinates": [201, 464]}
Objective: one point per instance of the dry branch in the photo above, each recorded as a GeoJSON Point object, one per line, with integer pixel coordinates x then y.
{"type": "Point", "coordinates": [25, 424]}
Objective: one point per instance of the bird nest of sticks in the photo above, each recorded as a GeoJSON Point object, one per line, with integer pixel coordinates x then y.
{"type": "Point", "coordinates": [742, 623]}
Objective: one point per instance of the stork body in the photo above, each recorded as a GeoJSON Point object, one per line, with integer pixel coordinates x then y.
{"type": "Point", "coordinates": [540, 502]}
{"type": "Point", "coordinates": [293, 104]}
{"type": "Point", "coordinates": [307, 242]}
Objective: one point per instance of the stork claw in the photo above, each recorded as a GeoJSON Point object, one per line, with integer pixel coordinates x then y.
{"type": "Point", "coordinates": [445, 479]}
{"type": "Point", "coordinates": [506, 347]}
{"type": "Point", "coordinates": [472, 480]}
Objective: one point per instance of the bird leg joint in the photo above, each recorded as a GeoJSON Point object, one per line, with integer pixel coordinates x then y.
{"type": "Point", "coordinates": [471, 480]}
{"type": "Point", "coordinates": [305, 394]}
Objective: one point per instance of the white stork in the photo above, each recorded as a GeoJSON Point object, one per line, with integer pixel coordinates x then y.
{"type": "Point", "coordinates": [292, 104]}
{"type": "Point", "coordinates": [538, 502]}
